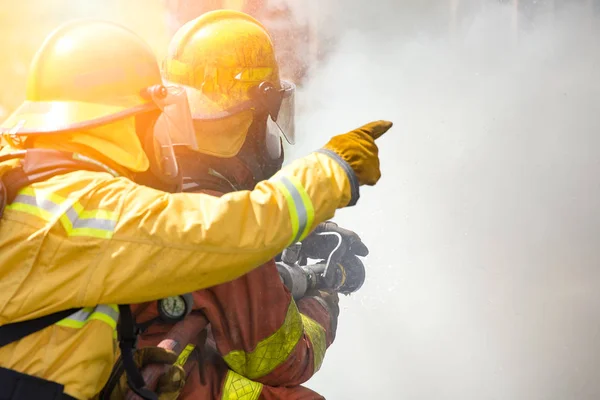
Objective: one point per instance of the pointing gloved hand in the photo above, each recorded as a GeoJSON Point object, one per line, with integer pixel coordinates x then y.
{"type": "Point", "coordinates": [359, 150]}
{"type": "Point", "coordinates": [320, 246]}
{"type": "Point", "coordinates": [169, 385]}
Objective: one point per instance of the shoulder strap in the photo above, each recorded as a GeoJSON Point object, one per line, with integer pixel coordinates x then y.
{"type": "Point", "coordinates": [18, 330]}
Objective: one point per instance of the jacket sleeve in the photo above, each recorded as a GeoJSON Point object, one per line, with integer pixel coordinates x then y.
{"type": "Point", "coordinates": [96, 240]}
{"type": "Point", "coordinates": [261, 333]}
{"type": "Point", "coordinates": [165, 244]}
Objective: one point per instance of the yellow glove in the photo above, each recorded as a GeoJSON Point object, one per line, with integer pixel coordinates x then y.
{"type": "Point", "coordinates": [169, 385]}
{"type": "Point", "coordinates": [359, 150]}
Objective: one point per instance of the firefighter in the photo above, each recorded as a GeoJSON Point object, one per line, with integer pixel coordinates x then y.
{"type": "Point", "coordinates": [79, 236]}
{"type": "Point", "coordinates": [264, 341]}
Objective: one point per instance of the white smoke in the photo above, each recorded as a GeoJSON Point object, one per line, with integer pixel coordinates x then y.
{"type": "Point", "coordinates": [484, 230]}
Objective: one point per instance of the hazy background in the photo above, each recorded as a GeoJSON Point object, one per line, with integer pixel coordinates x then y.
{"type": "Point", "coordinates": [484, 230]}
{"type": "Point", "coordinates": [484, 265]}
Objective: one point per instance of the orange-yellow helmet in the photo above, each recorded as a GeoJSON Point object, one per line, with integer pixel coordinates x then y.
{"type": "Point", "coordinates": [89, 74]}
{"type": "Point", "coordinates": [86, 73]}
{"type": "Point", "coordinates": [227, 63]}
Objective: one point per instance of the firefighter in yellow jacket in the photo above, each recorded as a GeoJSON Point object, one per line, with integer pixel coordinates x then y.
{"type": "Point", "coordinates": [79, 236]}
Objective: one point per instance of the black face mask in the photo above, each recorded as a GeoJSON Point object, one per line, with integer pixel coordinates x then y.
{"type": "Point", "coordinates": [254, 151]}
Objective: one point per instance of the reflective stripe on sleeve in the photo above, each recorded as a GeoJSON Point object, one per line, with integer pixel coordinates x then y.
{"type": "Point", "coordinates": [76, 220]}
{"type": "Point", "coordinates": [107, 313]}
{"type": "Point", "coordinates": [300, 206]}
{"type": "Point", "coordinates": [237, 387]}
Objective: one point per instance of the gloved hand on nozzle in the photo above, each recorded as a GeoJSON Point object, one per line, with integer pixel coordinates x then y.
{"type": "Point", "coordinates": [319, 247]}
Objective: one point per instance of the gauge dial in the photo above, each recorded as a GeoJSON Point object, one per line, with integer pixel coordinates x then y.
{"type": "Point", "coordinates": [173, 307]}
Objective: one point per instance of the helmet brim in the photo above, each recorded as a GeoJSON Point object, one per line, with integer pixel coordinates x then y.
{"type": "Point", "coordinates": [38, 117]}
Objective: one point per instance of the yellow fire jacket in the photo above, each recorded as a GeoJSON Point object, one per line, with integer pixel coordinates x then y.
{"type": "Point", "coordinates": [89, 239]}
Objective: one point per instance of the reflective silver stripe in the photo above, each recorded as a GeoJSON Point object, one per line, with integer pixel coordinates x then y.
{"type": "Point", "coordinates": [78, 222]}
{"type": "Point", "coordinates": [109, 314]}
{"type": "Point", "coordinates": [83, 314]}
{"type": "Point", "coordinates": [94, 223]}
{"type": "Point", "coordinates": [72, 215]}
{"type": "Point", "coordinates": [44, 204]}
{"type": "Point", "coordinates": [74, 218]}
{"type": "Point", "coordinates": [109, 311]}
{"type": "Point", "coordinates": [301, 211]}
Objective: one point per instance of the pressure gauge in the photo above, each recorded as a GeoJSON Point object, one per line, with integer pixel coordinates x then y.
{"type": "Point", "coordinates": [175, 308]}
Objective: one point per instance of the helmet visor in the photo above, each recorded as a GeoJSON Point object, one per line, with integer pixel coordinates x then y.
{"type": "Point", "coordinates": [174, 125]}
{"type": "Point", "coordinates": [286, 117]}
{"type": "Point", "coordinates": [273, 139]}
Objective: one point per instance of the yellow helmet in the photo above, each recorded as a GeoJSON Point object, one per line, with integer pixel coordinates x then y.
{"type": "Point", "coordinates": [89, 74]}
{"type": "Point", "coordinates": [226, 61]}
